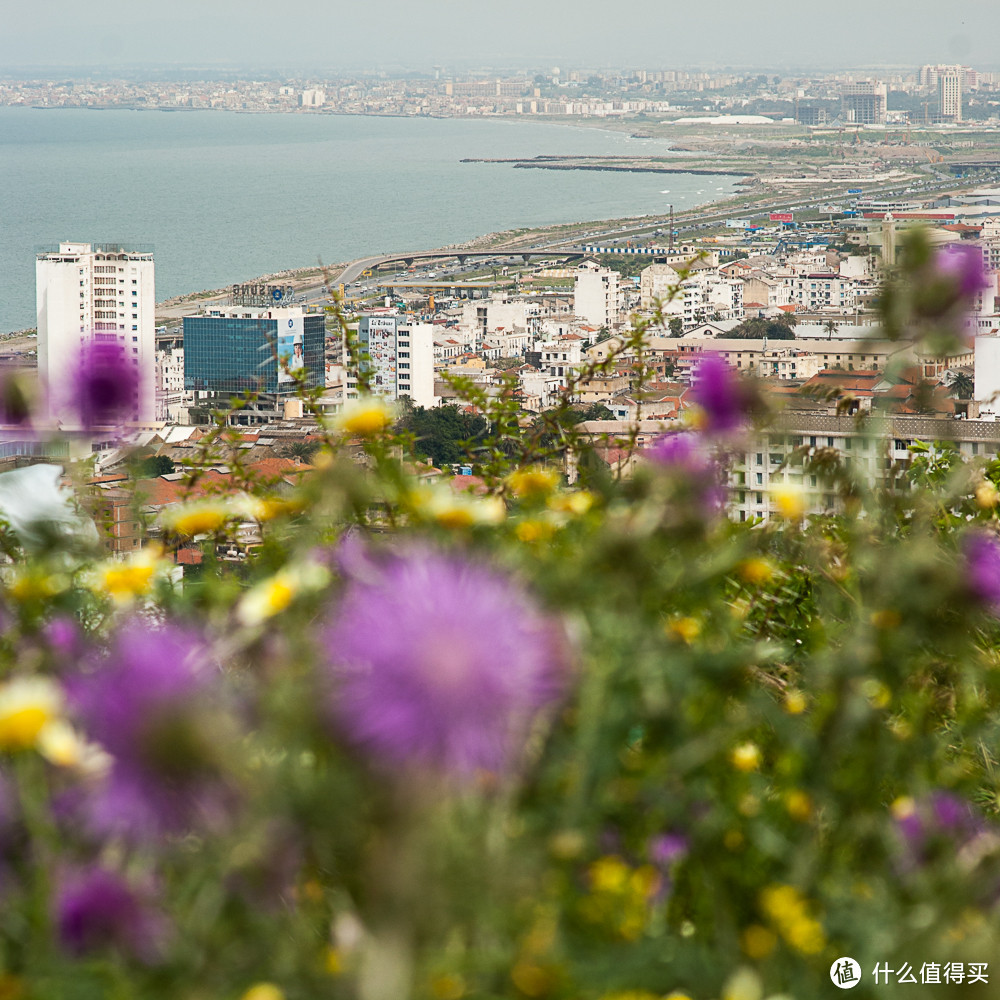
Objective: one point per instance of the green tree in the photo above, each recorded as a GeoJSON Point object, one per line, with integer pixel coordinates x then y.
{"type": "Point", "coordinates": [153, 466]}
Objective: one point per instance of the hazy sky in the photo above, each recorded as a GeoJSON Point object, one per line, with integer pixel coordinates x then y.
{"type": "Point", "coordinates": [337, 35]}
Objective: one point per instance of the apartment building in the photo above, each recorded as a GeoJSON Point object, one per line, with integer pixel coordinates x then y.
{"type": "Point", "coordinates": [597, 296]}
{"type": "Point", "coordinates": [101, 293]}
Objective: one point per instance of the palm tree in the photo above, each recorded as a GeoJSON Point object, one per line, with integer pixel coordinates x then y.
{"type": "Point", "coordinates": [302, 450]}
{"type": "Point", "coordinates": [962, 385]}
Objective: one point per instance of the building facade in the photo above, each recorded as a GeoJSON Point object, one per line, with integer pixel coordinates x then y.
{"type": "Point", "coordinates": [95, 292]}
{"type": "Point", "coordinates": [864, 103]}
{"type": "Point", "coordinates": [597, 295]}
{"type": "Point", "coordinates": [398, 359]}
{"type": "Point", "coordinates": [949, 93]}
{"type": "Point", "coordinates": [240, 349]}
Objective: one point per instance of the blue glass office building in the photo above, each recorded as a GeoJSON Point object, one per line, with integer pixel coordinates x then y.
{"type": "Point", "coordinates": [238, 350]}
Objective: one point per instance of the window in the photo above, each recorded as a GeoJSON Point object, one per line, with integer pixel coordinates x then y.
{"type": "Point", "coordinates": [760, 478]}
{"type": "Point", "coordinates": [760, 458]}
{"type": "Point", "coordinates": [405, 364]}
{"type": "Point", "coordinates": [135, 315]}
{"type": "Point", "coordinates": [134, 339]}
{"type": "Point", "coordinates": [134, 282]}
{"type": "Point", "coordinates": [404, 354]}
{"type": "Point", "coordinates": [134, 327]}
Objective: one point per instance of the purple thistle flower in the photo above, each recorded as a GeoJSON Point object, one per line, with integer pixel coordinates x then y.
{"type": "Point", "coordinates": [686, 457]}
{"type": "Point", "coordinates": [105, 385]}
{"type": "Point", "coordinates": [982, 561]}
{"type": "Point", "coordinates": [62, 635]}
{"type": "Point", "coordinates": [941, 818]}
{"type": "Point", "coordinates": [667, 849]}
{"type": "Point", "coordinates": [682, 452]}
{"type": "Point", "coordinates": [144, 704]}
{"type": "Point", "coordinates": [720, 393]}
{"type": "Point", "coordinates": [963, 266]}
{"type": "Point", "coordinates": [440, 662]}
{"type": "Point", "coordinates": [97, 909]}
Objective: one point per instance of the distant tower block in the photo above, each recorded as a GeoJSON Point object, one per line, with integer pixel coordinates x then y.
{"type": "Point", "coordinates": [888, 240]}
{"type": "Point", "coordinates": [100, 292]}
{"type": "Point", "coordinates": [949, 93]}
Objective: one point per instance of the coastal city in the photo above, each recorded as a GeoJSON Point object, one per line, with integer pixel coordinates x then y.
{"type": "Point", "coordinates": [782, 280]}
{"type": "Point", "coordinates": [923, 95]}
{"type": "Point", "coordinates": [499, 503]}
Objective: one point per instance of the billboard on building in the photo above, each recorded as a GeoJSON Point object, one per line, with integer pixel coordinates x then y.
{"type": "Point", "coordinates": [781, 216]}
{"type": "Point", "coordinates": [290, 348]}
{"type": "Point", "coordinates": [382, 355]}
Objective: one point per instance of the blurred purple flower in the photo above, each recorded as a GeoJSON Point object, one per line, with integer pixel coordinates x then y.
{"type": "Point", "coordinates": [721, 394]}
{"type": "Point", "coordinates": [144, 703]}
{"type": "Point", "coordinates": [667, 848]}
{"type": "Point", "coordinates": [686, 456]}
{"type": "Point", "coordinates": [982, 561]}
{"type": "Point", "coordinates": [105, 385]}
{"type": "Point", "coordinates": [97, 909]}
{"type": "Point", "coordinates": [962, 265]}
{"type": "Point", "coordinates": [440, 662]}
{"type": "Point", "coordinates": [681, 452]}
{"type": "Point", "coordinates": [941, 816]}
{"type": "Point", "coordinates": [62, 635]}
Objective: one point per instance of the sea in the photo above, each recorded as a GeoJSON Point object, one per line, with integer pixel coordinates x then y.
{"type": "Point", "coordinates": [224, 197]}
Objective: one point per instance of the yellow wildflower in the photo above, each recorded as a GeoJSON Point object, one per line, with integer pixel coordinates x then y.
{"type": "Point", "coordinates": [746, 757]}
{"type": "Point", "coordinates": [685, 629]}
{"type": "Point", "coordinates": [987, 495]}
{"type": "Point", "coordinates": [886, 619]}
{"type": "Point", "coordinates": [608, 874]}
{"type": "Point", "coordinates": [333, 961]}
{"type": "Point", "coordinates": [790, 501]}
{"type": "Point", "coordinates": [449, 986]}
{"type": "Point", "coordinates": [903, 807]}
{"type": "Point", "coordinates": [456, 511]}
{"type": "Point", "coordinates": [758, 942]}
{"type": "Point", "coordinates": [533, 980]}
{"type": "Point", "coordinates": [878, 695]}
{"type": "Point", "coordinates": [203, 518]}
{"type": "Point", "coordinates": [743, 984]}
{"type": "Point", "coordinates": [60, 744]}
{"type": "Point", "coordinates": [787, 909]}
{"type": "Point", "coordinates": [577, 502]}
{"type": "Point", "coordinates": [795, 702]}
{"type": "Point", "coordinates": [31, 585]}
{"type": "Point", "coordinates": [533, 484]}
{"type": "Point", "coordinates": [132, 577]}
{"type": "Point", "coordinates": [27, 706]}
{"type": "Point", "coordinates": [757, 570]}
{"type": "Point", "coordinates": [264, 991]}
{"type": "Point", "coordinates": [535, 529]}
{"type": "Point", "coordinates": [364, 417]}
{"type": "Point", "coordinates": [273, 595]}
{"type": "Point", "coordinates": [798, 804]}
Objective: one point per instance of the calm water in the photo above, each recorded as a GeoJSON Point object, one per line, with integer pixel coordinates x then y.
{"type": "Point", "coordinates": [225, 197]}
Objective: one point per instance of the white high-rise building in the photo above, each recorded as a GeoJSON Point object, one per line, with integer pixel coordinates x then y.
{"type": "Point", "coordinates": [949, 89]}
{"type": "Point", "coordinates": [597, 295]}
{"type": "Point", "coordinates": [399, 359]}
{"type": "Point", "coordinates": [95, 292]}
